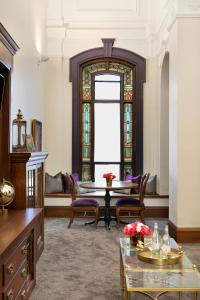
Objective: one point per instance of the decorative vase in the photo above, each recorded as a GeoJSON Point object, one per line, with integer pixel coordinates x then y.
{"type": "Point", "coordinates": [109, 181]}
{"type": "Point", "coordinates": [136, 238]}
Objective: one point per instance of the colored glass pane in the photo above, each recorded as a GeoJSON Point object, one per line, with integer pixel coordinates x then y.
{"type": "Point", "coordinates": [86, 143]}
{"type": "Point", "coordinates": [86, 172]}
{"type": "Point", "coordinates": [127, 169]}
{"type": "Point", "coordinates": [128, 132]}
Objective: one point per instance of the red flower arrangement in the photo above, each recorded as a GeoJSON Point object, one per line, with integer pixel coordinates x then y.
{"type": "Point", "coordinates": [109, 176]}
{"type": "Point", "coordinates": [137, 229]}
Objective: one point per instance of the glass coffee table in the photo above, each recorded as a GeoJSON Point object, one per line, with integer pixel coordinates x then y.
{"type": "Point", "coordinates": [154, 281]}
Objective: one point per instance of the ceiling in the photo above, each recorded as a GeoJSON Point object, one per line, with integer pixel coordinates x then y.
{"type": "Point", "coordinates": [143, 23]}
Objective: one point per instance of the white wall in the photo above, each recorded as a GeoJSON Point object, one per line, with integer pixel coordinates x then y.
{"type": "Point", "coordinates": [163, 182]}
{"type": "Point", "coordinates": [58, 116]}
{"type": "Point", "coordinates": [173, 133]}
{"type": "Point", "coordinates": [25, 22]}
{"type": "Point", "coordinates": [188, 109]}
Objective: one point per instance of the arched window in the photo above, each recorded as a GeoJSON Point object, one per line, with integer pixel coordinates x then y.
{"type": "Point", "coordinates": [107, 112]}
{"type": "Point", "coordinates": [107, 123]}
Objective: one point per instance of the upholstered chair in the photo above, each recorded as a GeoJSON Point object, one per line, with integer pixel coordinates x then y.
{"type": "Point", "coordinates": [82, 206]}
{"type": "Point", "coordinates": [134, 205]}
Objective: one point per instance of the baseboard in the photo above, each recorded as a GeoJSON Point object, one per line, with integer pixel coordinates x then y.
{"type": "Point", "coordinates": [184, 234]}
{"type": "Point", "coordinates": [65, 211]}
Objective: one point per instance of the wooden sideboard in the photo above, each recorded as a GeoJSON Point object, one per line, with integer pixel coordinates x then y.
{"type": "Point", "coordinates": [18, 253]}
{"type": "Point", "coordinates": [27, 176]}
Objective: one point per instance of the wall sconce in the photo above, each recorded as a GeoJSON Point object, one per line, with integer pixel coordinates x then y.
{"type": "Point", "coordinates": [19, 133]}
{"type": "Point", "coordinates": [42, 59]}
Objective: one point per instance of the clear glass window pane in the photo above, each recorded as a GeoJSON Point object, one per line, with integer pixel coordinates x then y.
{"type": "Point", "coordinates": [102, 169]}
{"type": "Point", "coordinates": [107, 132]}
{"type": "Point", "coordinates": [107, 77]}
{"type": "Point", "coordinates": [107, 90]}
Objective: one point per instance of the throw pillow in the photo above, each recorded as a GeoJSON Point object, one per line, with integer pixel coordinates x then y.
{"type": "Point", "coordinates": [124, 191]}
{"type": "Point", "coordinates": [134, 179]}
{"type": "Point", "coordinates": [80, 190]}
{"type": "Point", "coordinates": [53, 184]}
{"type": "Point", "coordinates": [151, 185]}
{"type": "Point", "coordinates": [75, 177]}
{"type": "Point", "coordinates": [66, 183]}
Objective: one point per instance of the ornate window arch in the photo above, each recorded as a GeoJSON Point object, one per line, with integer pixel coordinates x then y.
{"type": "Point", "coordinates": [131, 69]}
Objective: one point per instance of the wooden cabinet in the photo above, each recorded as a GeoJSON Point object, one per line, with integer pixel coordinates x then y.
{"type": "Point", "coordinates": [27, 176]}
{"type": "Point", "coordinates": [18, 253]}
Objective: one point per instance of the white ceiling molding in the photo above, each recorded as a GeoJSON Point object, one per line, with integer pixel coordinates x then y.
{"type": "Point", "coordinates": [133, 23]}
{"type": "Point", "coordinates": [105, 5]}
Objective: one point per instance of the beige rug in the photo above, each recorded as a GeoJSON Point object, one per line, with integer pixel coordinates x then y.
{"type": "Point", "coordinates": [82, 263]}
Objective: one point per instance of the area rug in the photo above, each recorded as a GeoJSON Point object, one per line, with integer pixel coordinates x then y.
{"type": "Point", "coordinates": [82, 263]}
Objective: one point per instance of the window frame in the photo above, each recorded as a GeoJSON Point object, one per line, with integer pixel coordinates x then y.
{"type": "Point", "coordinates": [93, 101]}
{"type": "Point", "coordinates": [125, 56]}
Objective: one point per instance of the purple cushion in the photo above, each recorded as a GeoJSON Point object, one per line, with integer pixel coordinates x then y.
{"type": "Point", "coordinates": [134, 179]}
{"type": "Point", "coordinates": [128, 202]}
{"type": "Point", "coordinates": [84, 202]}
{"type": "Point", "coordinates": [75, 177]}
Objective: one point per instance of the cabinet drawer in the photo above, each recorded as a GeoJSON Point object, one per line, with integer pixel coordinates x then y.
{"type": "Point", "coordinates": [14, 261]}
{"type": "Point", "coordinates": [23, 294]}
{"type": "Point", "coordinates": [17, 282]}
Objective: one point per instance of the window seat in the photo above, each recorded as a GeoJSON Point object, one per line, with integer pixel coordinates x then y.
{"type": "Point", "coordinates": [58, 204]}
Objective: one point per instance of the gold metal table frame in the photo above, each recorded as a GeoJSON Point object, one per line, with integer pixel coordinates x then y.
{"type": "Point", "coordinates": [155, 281]}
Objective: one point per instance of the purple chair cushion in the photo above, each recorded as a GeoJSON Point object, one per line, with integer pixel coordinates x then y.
{"type": "Point", "coordinates": [84, 202]}
{"type": "Point", "coordinates": [128, 202]}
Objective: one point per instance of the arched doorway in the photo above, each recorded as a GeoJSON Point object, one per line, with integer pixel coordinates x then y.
{"type": "Point", "coordinates": [164, 128]}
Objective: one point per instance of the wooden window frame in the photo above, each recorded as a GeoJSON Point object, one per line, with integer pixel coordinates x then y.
{"type": "Point", "coordinates": [117, 54]}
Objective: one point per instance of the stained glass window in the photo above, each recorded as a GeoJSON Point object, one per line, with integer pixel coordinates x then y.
{"type": "Point", "coordinates": [86, 140]}
{"type": "Point", "coordinates": [128, 132]}
{"type": "Point", "coordinates": [107, 81]}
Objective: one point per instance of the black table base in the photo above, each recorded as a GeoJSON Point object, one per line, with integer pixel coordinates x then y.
{"type": "Point", "coordinates": [107, 218]}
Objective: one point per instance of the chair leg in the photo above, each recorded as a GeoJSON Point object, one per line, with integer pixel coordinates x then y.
{"type": "Point", "coordinates": [96, 216]}
{"type": "Point", "coordinates": [71, 219]}
{"type": "Point", "coordinates": [117, 216]}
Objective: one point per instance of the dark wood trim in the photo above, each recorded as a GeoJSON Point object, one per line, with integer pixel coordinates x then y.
{"type": "Point", "coordinates": [108, 43]}
{"type": "Point", "coordinates": [117, 54]}
{"type": "Point", "coordinates": [7, 40]}
{"type": "Point", "coordinates": [32, 157]}
{"type": "Point", "coordinates": [7, 49]}
{"type": "Point", "coordinates": [184, 234]}
{"type": "Point", "coordinates": [65, 211]}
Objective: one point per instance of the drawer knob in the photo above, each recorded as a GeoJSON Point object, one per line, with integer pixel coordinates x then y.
{"type": "Point", "coordinates": [10, 295]}
{"type": "Point", "coordinates": [24, 249]}
{"type": "Point", "coordinates": [24, 272]}
{"type": "Point", "coordinates": [10, 268]}
{"type": "Point", "coordinates": [23, 295]}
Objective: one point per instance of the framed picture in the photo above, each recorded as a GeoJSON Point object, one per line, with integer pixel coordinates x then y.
{"type": "Point", "coordinates": [36, 129]}
{"type": "Point", "coordinates": [30, 147]}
